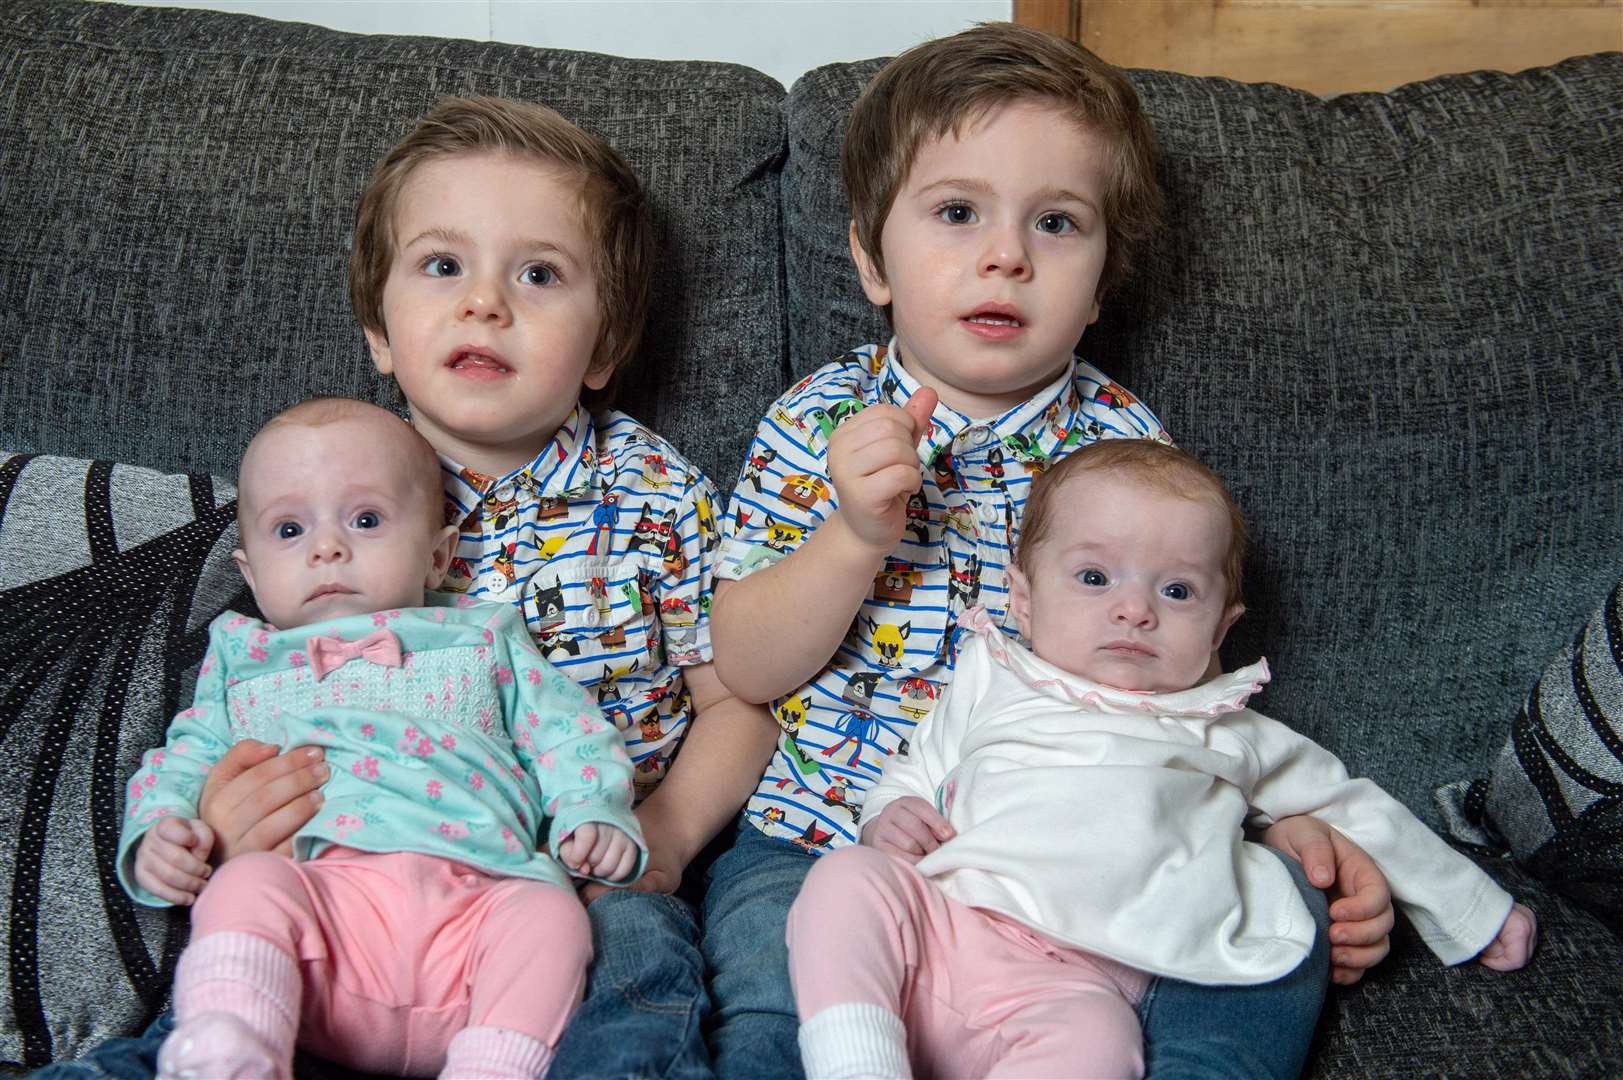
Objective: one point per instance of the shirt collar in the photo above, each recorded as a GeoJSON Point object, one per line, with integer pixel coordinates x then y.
{"type": "Point", "coordinates": [566, 466]}
{"type": "Point", "coordinates": [1033, 430]}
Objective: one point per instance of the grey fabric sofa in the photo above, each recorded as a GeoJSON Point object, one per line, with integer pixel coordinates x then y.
{"type": "Point", "coordinates": [1391, 320]}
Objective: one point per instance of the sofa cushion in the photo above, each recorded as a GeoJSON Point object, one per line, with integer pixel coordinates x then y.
{"type": "Point", "coordinates": [109, 576]}
{"type": "Point", "coordinates": [1555, 796]}
{"type": "Point", "coordinates": [179, 186]}
{"type": "Point", "coordinates": [1390, 321]}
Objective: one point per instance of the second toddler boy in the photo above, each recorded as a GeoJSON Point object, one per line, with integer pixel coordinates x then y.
{"type": "Point", "coordinates": [1000, 181]}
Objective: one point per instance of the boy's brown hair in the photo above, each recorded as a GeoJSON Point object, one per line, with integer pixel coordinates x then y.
{"type": "Point", "coordinates": [942, 85]}
{"type": "Point", "coordinates": [612, 204]}
{"type": "Point", "coordinates": [1157, 464]}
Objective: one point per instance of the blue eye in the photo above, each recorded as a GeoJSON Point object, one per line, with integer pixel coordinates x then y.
{"type": "Point", "coordinates": [957, 214]}
{"type": "Point", "coordinates": [1056, 224]}
{"type": "Point", "coordinates": [288, 530]}
{"type": "Point", "coordinates": [367, 519]}
{"type": "Point", "coordinates": [1095, 578]}
{"type": "Point", "coordinates": [441, 266]}
{"type": "Point", "coordinates": [540, 274]}
{"type": "Point", "coordinates": [1176, 591]}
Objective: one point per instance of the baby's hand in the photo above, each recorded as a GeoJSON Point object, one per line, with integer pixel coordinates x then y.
{"type": "Point", "coordinates": [171, 862]}
{"type": "Point", "coordinates": [908, 828]}
{"type": "Point", "coordinates": [1514, 945]}
{"type": "Point", "coordinates": [599, 851]}
{"type": "Point", "coordinates": [873, 460]}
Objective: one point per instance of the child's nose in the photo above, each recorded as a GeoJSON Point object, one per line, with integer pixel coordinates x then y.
{"type": "Point", "coordinates": [1133, 609]}
{"type": "Point", "coordinates": [328, 547]}
{"type": "Point", "coordinates": [1006, 254]}
{"type": "Point", "coordinates": [484, 300]}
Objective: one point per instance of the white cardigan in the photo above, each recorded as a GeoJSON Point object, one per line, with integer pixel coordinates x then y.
{"type": "Point", "coordinates": [1112, 820]}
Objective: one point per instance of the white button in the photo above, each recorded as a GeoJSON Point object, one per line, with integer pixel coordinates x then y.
{"type": "Point", "coordinates": [977, 436]}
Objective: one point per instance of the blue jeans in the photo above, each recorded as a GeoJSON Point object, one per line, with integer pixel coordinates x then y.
{"type": "Point", "coordinates": [1189, 1030]}
{"type": "Point", "coordinates": [643, 1016]}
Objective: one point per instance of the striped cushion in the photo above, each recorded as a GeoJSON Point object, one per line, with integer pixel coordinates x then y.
{"type": "Point", "coordinates": [109, 576]}
{"type": "Point", "coordinates": [1555, 796]}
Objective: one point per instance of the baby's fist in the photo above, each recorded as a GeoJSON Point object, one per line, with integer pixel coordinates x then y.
{"type": "Point", "coordinates": [1515, 943]}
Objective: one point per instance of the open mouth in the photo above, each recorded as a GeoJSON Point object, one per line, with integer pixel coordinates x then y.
{"type": "Point", "coordinates": [994, 320]}
{"type": "Point", "coordinates": [477, 362]}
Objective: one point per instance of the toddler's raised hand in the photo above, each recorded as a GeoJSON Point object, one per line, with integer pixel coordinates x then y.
{"type": "Point", "coordinates": [873, 460]}
{"type": "Point", "coordinates": [599, 851]}
{"type": "Point", "coordinates": [172, 860]}
{"type": "Point", "coordinates": [909, 828]}
{"type": "Point", "coordinates": [1515, 943]}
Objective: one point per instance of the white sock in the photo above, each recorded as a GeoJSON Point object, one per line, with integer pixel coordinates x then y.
{"type": "Point", "coordinates": [854, 1041]}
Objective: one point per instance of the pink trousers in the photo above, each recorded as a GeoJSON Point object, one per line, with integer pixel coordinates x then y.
{"type": "Point", "coordinates": [398, 952]}
{"type": "Point", "coordinates": [980, 995]}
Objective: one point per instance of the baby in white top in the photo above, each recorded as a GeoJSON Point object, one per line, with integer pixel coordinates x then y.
{"type": "Point", "coordinates": [1068, 821]}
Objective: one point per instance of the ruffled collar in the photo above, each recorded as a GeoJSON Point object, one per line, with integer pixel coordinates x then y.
{"type": "Point", "coordinates": [1225, 694]}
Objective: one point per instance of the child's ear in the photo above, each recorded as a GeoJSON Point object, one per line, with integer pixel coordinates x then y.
{"type": "Point", "coordinates": [378, 344]}
{"type": "Point", "coordinates": [240, 557]}
{"type": "Point", "coordinates": [873, 282]}
{"type": "Point", "coordinates": [1020, 600]}
{"type": "Point", "coordinates": [1230, 617]}
{"type": "Point", "coordinates": [597, 376]}
{"type": "Point", "coordinates": [439, 559]}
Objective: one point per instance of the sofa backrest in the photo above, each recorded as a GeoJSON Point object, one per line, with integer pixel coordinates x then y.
{"type": "Point", "coordinates": [1391, 321]}
{"type": "Point", "coordinates": [176, 189]}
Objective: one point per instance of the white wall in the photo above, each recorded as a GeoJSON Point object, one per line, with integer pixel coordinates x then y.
{"type": "Point", "coordinates": [784, 38]}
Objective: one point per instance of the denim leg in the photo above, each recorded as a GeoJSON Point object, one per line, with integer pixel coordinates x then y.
{"type": "Point", "coordinates": [116, 1059]}
{"type": "Point", "coordinates": [1240, 1032]}
{"type": "Point", "coordinates": [755, 1029]}
{"type": "Point", "coordinates": [645, 1005]}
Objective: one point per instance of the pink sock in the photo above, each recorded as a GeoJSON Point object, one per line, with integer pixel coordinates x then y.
{"type": "Point", "coordinates": [236, 1009]}
{"type": "Point", "coordinates": [493, 1053]}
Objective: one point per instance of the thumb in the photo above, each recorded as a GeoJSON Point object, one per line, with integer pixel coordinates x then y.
{"type": "Point", "coordinates": [202, 839]}
{"type": "Point", "coordinates": [919, 407]}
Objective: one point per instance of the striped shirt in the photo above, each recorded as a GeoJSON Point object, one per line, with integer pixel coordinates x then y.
{"type": "Point", "coordinates": [606, 542]}
{"type": "Point", "coordinates": [961, 526]}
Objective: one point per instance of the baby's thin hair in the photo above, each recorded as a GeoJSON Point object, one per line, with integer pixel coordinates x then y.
{"type": "Point", "coordinates": [940, 86]}
{"type": "Point", "coordinates": [1161, 465]}
{"type": "Point", "coordinates": [612, 203]}
{"type": "Point", "coordinates": [321, 411]}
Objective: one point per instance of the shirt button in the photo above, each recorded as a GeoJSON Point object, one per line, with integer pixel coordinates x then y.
{"type": "Point", "coordinates": [978, 436]}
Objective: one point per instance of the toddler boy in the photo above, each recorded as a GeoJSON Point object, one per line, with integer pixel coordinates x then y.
{"type": "Point", "coordinates": [1000, 181]}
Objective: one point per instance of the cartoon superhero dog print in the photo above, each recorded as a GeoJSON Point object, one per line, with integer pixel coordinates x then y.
{"type": "Point", "coordinates": [654, 473]}
{"type": "Point", "coordinates": [672, 556]}
{"type": "Point", "coordinates": [645, 535]}
{"type": "Point", "coordinates": [963, 582]}
{"type": "Point", "coordinates": [674, 611]}
{"type": "Point", "coordinates": [682, 647]}
{"type": "Point", "coordinates": [813, 838]}
{"type": "Point", "coordinates": [1027, 452]}
{"type": "Point", "coordinates": [757, 465]}
{"type": "Point", "coordinates": [705, 514]}
{"type": "Point", "coordinates": [782, 535]}
{"type": "Point", "coordinates": [549, 605]}
{"type": "Point", "coordinates": [918, 696]}
{"type": "Point", "coordinates": [889, 641]}
{"type": "Point", "coordinates": [859, 689]}
{"type": "Point", "coordinates": [1113, 396]}
{"type": "Point", "coordinates": [791, 713]}
{"type": "Point", "coordinates": [604, 516]}
{"type": "Point", "coordinates": [942, 470]}
{"type": "Point", "coordinates": [803, 490]}
{"type": "Point", "coordinates": [895, 582]}
{"type": "Point", "coordinates": [918, 517]}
